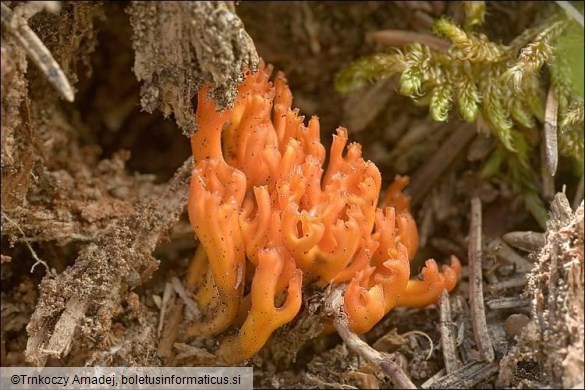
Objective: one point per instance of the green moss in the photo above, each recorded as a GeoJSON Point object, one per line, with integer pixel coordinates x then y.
{"type": "Point", "coordinates": [503, 84]}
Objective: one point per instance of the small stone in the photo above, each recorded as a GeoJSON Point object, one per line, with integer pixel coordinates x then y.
{"type": "Point", "coordinates": [515, 323]}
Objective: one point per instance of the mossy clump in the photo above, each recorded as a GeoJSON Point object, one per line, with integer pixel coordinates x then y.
{"type": "Point", "coordinates": [501, 83]}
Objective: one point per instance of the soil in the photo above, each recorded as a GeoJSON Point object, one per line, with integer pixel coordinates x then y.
{"type": "Point", "coordinates": [96, 240]}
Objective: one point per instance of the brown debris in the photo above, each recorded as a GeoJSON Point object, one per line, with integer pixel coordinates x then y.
{"type": "Point", "coordinates": [76, 199]}
{"type": "Point", "coordinates": [553, 338]}
{"type": "Point", "coordinates": [103, 274]}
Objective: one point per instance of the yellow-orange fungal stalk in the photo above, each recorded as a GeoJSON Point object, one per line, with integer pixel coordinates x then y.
{"type": "Point", "coordinates": [267, 212]}
{"type": "Point", "coordinates": [264, 317]}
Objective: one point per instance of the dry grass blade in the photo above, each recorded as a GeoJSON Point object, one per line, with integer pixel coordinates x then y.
{"type": "Point", "coordinates": [508, 303]}
{"type": "Point", "coordinates": [475, 255]}
{"type": "Point", "coordinates": [572, 11]}
{"type": "Point", "coordinates": [400, 38]}
{"type": "Point", "coordinates": [546, 154]}
{"type": "Point", "coordinates": [425, 177]}
{"type": "Point", "coordinates": [550, 132]}
{"type": "Point", "coordinates": [466, 377]}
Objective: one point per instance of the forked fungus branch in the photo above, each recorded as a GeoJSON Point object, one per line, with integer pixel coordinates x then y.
{"type": "Point", "coordinates": [270, 220]}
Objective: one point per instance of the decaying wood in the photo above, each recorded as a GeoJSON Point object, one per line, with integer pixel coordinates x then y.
{"type": "Point", "coordinates": [62, 337]}
{"type": "Point", "coordinates": [210, 45]}
{"type": "Point", "coordinates": [123, 253]}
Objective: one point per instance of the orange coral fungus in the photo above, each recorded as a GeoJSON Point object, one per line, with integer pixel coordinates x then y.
{"type": "Point", "coordinates": [268, 217]}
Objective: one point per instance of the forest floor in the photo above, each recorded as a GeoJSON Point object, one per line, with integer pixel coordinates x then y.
{"type": "Point", "coordinates": [96, 239]}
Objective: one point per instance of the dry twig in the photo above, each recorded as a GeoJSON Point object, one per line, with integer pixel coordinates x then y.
{"type": "Point", "coordinates": [508, 303]}
{"type": "Point", "coordinates": [16, 23]}
{"type": "Point", "coordinates": [475, 255]}
{"type": "Point", "coordinates": [334, 307]}
{"type": "Point", "coordinates": [519, 281]}
{"type": "Point", "coordinates": [446, 326]}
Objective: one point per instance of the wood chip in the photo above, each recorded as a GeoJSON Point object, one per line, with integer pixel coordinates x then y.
{"type": "Point", "coordinates": [60, 341]}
